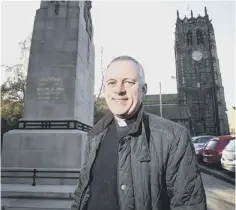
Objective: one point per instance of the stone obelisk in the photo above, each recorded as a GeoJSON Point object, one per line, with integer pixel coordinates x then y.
{"type": "Point", "coordinates": [58, 106]}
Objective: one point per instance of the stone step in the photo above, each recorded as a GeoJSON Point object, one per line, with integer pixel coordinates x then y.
{"type": "Point", "coordinates": [35, 204]}
{"type": "Point", "coordinates": [36, 192]}
{"type": "Point", "coordinates": [39, 197]}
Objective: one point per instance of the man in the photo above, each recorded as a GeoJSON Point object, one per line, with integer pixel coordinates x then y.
{"type": "Point", "coordinates": [135, 160]}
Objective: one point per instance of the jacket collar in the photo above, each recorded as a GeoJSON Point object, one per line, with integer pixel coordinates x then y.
{"type": "Point", "coordinates": [107, 119]}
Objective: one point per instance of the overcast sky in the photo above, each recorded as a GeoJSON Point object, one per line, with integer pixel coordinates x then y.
{"type": "Point", "coordinates": [144, 30]}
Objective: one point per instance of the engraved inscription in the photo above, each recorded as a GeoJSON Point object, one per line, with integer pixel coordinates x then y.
{"type": "Point", "coordinates": [50, 88]}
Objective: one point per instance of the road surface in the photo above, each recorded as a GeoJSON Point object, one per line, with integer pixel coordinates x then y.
{"type": "Point", "coordinates": [220, 194]}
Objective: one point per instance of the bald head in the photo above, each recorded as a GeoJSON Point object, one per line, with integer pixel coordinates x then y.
{"type": "Point", "coordinates": [139, 67]}
{"type": "Point", "coordinates": [124, 86]}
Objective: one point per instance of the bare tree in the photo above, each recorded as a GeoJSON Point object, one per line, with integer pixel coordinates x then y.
{"type": "Point", "coordinates": [13, 90]}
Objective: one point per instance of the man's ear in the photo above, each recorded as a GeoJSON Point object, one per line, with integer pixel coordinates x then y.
{"type": "Point", "coordinates": [144, 89]}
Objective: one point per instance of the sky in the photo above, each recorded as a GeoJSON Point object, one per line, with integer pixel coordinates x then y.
{"type": "Point", "coordinates": [144, 30]}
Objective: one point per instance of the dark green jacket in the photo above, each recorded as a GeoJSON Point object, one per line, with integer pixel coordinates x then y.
{"type": "Point", "coordinates": [157, 167]}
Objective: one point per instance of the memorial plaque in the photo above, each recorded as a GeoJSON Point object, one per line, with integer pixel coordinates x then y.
{"type": "Point", "coordinates": [50, 88]}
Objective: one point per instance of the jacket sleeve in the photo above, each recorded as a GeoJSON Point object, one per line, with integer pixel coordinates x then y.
{"type": "Point", "coordinates": [78, 189]}
{"type": "Point", "coordinates": [183, 179]}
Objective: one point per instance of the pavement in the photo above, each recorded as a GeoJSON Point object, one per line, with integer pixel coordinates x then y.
{"type": "Point", "coordinates": [220, 195]}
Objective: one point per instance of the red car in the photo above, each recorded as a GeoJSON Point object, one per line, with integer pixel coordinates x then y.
{"type": "Point", "coordinates": [212, 150]}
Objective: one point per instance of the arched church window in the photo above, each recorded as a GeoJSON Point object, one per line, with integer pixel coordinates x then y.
{"type": "Point", "coordinates": [199, 37]}
{"type": "Point", "coordinates": [189, 38]}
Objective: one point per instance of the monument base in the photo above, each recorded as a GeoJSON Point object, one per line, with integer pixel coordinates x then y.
{"type": "Point", "coordinates": [45, 154]}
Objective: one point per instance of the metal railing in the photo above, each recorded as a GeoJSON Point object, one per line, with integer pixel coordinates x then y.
{"type": "Point", "coordinates": [35, 173]}
{"type": "Point", "coordinates": [53, 124]}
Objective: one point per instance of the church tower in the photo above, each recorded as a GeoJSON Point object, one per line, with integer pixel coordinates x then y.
{"type": "Point", "coordinates": [198, 75]}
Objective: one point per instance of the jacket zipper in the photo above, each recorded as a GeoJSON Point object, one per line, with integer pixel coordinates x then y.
{"type": "Point", "coordinates": [117, 172]}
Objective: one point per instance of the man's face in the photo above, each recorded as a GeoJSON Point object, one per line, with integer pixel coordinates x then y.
{"type": "Point", "coordinates": [122, 89]}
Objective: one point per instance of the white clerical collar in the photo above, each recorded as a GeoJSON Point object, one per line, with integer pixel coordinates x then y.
{"type": "Point", "coordinates": [120, 122]}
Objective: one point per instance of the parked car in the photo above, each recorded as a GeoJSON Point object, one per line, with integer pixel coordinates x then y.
{"type": "Point", "coordinates": [212, 150]}
{"type": "Point", "coordinates": [199, 142]}
{"type": "Point", "coordinates": [228, 161]}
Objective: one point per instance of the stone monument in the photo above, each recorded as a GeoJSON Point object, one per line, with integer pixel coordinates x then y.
{"type": "Point", "coordinates": [58, 106]}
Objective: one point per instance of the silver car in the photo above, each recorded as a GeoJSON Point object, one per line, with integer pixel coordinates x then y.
{"type": "Point", "coordinates": [228, 156]}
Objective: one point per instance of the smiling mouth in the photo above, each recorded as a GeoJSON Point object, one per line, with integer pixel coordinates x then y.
{"type": "Point", "coordinates": [120, 100]}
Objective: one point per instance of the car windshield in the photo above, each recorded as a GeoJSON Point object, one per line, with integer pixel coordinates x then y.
{"type": "Point", "coordinates": [211, 144]}
{"type": "Point", "coordinates": [194, 138]}
{"type": "Point", "coordinates": [206, 139]}
{"type": "Point", "coordinates": [230, 146]}
{"type": "Point", "coordinates": [201, 139]}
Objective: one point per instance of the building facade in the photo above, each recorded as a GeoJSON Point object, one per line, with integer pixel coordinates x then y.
{"type": "Point", "coordinates": [199, 82]}
{"type": "Point", "coordinates": [169, 108]}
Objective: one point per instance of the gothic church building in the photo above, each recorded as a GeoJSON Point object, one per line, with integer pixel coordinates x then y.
{"type": "Point", "coordinates": [199, 82]}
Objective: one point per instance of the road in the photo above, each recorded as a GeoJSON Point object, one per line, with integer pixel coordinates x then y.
{"type": "Point", "coordinates": [220, 195]}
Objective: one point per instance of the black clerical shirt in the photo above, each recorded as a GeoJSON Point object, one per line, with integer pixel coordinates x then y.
{"type": "Point", "coordinates": [104, 191]}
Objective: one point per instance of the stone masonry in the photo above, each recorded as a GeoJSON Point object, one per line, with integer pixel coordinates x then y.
{"type": "Point", "coordinates": [198, 75]}
{"type": "Point", "coordinates": [58, 106]}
